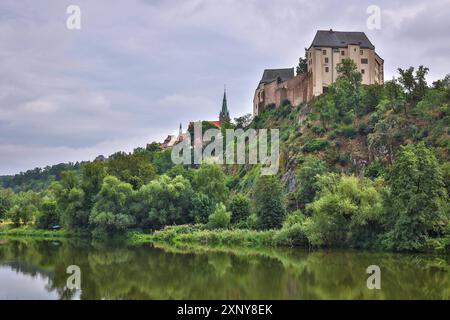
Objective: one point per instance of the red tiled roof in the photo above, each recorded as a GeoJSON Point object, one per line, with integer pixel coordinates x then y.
{"type": "Point", "coordinates": [215, 123]}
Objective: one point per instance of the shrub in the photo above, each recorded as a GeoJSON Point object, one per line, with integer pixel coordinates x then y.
{"type": "Point", "coordinates": [293, 236]}
{"type": "Point", "coordinates": [220, 218]}
{"type": "Point", "coordinates": [364, 129]}
{"type": "Point", "coordinates": [293, 218]}
{"type": "Point", "coordinates": [333, 134]}
{"type": "Point", "coordinates": [202, 207]}
{"type": "Point", "coordinates": [318, 130]}
{"type": "Point", "coordinates": [348, 131]}
{"type": "Point", "coordinates": [315, 145]}
{"type": "Point", "coordinates": [240, 208]}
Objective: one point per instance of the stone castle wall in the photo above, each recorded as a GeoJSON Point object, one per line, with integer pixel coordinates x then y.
{"type": "Point", "coordinates": [296, 90]}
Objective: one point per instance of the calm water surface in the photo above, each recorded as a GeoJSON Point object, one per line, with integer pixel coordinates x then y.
{"type": "Point", "coordinates": [32, 269]}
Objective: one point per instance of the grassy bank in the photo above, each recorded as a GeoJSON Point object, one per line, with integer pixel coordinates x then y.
{"type": "Point", "coordinates": [198, 234]}
{"type": "Point", "coordinates": [287, 237]}
{"type": "Point", "coordinates": [27, 232]}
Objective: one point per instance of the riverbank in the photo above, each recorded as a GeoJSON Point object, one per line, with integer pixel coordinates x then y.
{"type": "Point", "coordinates": [27, 232]}
{"type": "Point", "coordinates": [287, 237]}
{"type": "Point", "coordinates": [199, 234]}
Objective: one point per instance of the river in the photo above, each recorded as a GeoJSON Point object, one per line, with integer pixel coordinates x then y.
{"type": "Point", "coordinates": [31, 269]}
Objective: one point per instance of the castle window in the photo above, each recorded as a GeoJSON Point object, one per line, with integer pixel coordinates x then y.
{"type": "Point", "coordinates": [326, 59]}
{"type": "Point", "coordinates": [324, 52]}
{"type": "Point", "coordinates": [361, 52]}
{"type": "Point", "coordinates": [363, 71]}
{"type": "Point", "coordinates": [327, 69]}
{"type": "Point", "coordinates": [342, 52]}
{"type": "Point", "coordinates": [364, 61]}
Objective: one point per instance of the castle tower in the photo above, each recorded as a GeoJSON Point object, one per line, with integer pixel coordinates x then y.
{"type": "Point", "coordinates": [180, 132]}
{"type": "Point", "coordinates": [224, 115]}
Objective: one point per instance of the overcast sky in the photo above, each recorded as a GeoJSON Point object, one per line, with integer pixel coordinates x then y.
{"type": "Point", "coordinates": [138, 68]}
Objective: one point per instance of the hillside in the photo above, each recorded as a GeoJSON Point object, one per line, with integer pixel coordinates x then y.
{"type": "Point", "coordinates": [357, 133]}
{"type": "Point", "coordinates": [360, 166]}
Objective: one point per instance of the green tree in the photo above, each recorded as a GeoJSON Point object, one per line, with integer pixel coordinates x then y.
{"type": "Point", "coordinates": [302, 66]}
{"type": "Point", "coordinates": [347, 212]}
{"type": "Point", "coordinates": [414, 85]}
{"type": "Point", "coordinates": [164, 201]}
{"type": "Point", "coordinates": [92, 175]}
{"type": "Point", "coordinates": [407, 80]}
{"type": "Point", "coordinates": [326, 108]}
{"type": "Point", "coordinates": [134, 169]}
{"type": "Point", "coordinates": [180, 170]}
{"type": "Point", "coordinates": [70, 199]}
{"type": "Point", "coordinates": [6, 201]}
{"type": "Point", "coordinates": [243, 121]}
{"type": "Point", "coordinates": [202, 207]}
{"type": "Point", "coordinates": [220, 218]}
{"type": "Point", "coordinates": [48, 215]}
{"type": "Point", "coordinates": [210, 180]}
{"type": "Point", "coordinates": [240, 207]}
{"type": "Point", "coordinates": [269, 202]}
{"type": "Point", "coordinates": [307, 176]}
{"type": "Point", "coordinates": [418, 199]}
{"type": "Point", "coordinates": [111, 212]}
{"type": "Point", "coordinates": [393, 97]}
{"type": "Point", "coordinates": [162, 160]}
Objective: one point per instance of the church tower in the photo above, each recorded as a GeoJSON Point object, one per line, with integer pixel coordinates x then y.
{"type": "Point", "coordinates": [224, 115]}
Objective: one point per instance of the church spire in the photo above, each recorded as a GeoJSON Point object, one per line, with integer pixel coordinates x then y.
{"type": "Point", "coordinates": [180, 131]}
{"type": "Point", "coordinates": [224, 115]}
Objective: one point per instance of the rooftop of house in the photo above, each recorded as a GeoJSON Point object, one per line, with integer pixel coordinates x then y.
{"type": "Point", "coordinates": [271, 75]}
{"type": "Point", "coordinates": [341, 39]}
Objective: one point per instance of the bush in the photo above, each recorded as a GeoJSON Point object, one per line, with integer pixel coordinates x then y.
{"type": "Point", "coordinates": [240, 208]}
{"type": "Point", "coordinates": [333, 134]}
{"type": "Point", "coordinates": [293, 236]}
{"type": "Point", "coordinates": [293, 218]}
{"type": "Point", "coordinates": [220, 218]}
{"type": "Point", "coordinates": [202, 207]}
{"type": "Point", "coordinates": [348, 131]}
{"type": "Point", "coordinates": [364, 129]}
{"type": "Point", "coordinates": [315, 145]}
{"type": "Point", "coordinates": [318, 130]}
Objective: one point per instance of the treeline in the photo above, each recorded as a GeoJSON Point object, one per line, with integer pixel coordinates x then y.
{"type": "Point", "coordinates": [37, 179]}
{"type": "Point", "coordinates": [361, 166]}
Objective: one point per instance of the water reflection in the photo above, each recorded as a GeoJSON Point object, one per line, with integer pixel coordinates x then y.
{"type": "Point", "coordinates": [37, 270]}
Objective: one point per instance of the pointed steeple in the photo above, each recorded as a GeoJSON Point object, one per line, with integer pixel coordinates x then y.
{"type": "Point", "coordinates": [224, 115]}
{"type": "Point", "coordinates": [180, 131]}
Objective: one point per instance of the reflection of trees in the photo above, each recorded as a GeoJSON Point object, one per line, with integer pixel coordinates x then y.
{"type": "Point", "coordinates": [120, 271]}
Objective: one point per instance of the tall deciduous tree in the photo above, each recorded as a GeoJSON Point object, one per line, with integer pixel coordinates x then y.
{"type": "Point", "coordinates": [418, 199]}
{"type": "Point", "coordinates": [164, 201]}
{"type": "Point", "coordinates": [111, 212]}
{"type": "Point", "coordinates": [70, 199]}
{"type": "Point", "coordinates": [269, 202]}
{"type": "Point", "coordinates": [210, 180]}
